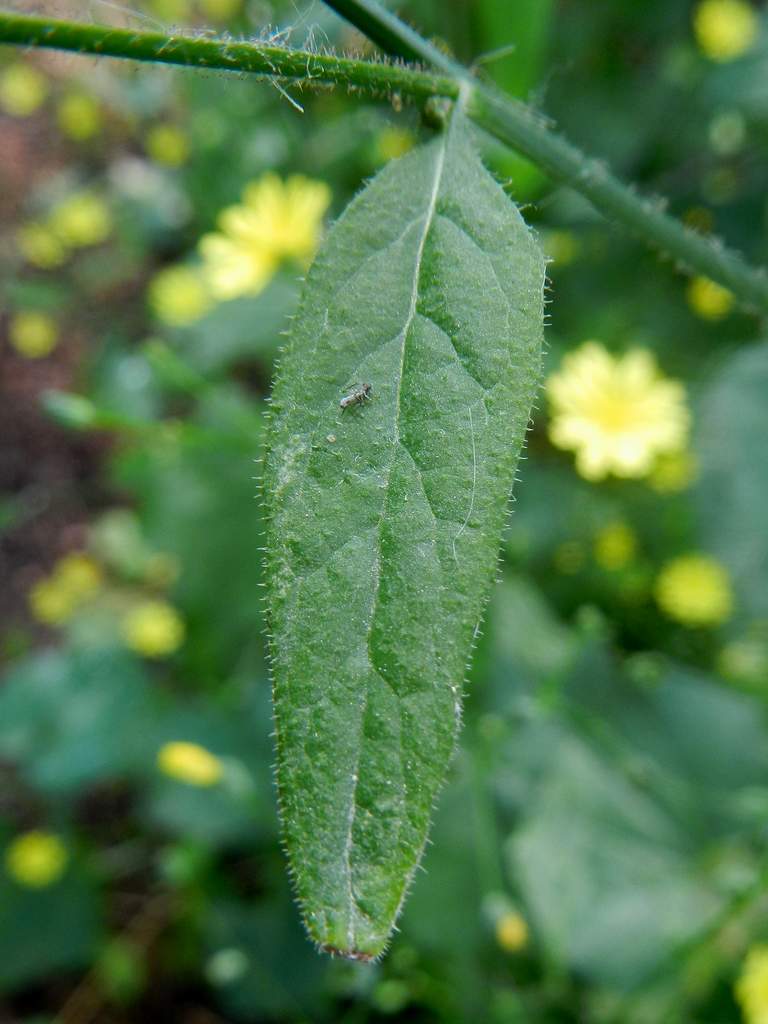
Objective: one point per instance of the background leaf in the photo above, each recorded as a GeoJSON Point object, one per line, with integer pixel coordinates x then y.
{"type": "Point", "coordinates": [385, 519]}
{"type": "Point", "coordinates": [733, 424]}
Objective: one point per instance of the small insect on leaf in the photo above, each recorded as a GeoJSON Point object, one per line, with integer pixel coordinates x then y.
{"type": "Point", "coordinates": [382, 547]}
{"type": "Point", "coordinates": [359, 394]}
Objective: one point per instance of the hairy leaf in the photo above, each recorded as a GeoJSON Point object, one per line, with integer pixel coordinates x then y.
{"type": "Point", "coordinates": [384, 518]}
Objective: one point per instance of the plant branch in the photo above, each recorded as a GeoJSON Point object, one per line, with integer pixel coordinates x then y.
{"type": "Point", "coordinates": [275, 62]}
{"type": "Point", "coordinates": [394, 36]}
{"type": "Point", "coordinates": [511, 122]}
{"type": "Point", "coordinates": [523, 130]}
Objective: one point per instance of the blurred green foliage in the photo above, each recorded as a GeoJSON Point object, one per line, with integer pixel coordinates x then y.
{"type": "Point", "coordinates": [611, 785]}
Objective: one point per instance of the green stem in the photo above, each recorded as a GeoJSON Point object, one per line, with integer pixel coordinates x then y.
{"type": "Point", "coordinates": [509, 121]}
{"type": "Point", "coordinates": [393, 35]}
{"type": "Point", "coordinates": [275, 62]}
{"type": "Point", "coordinates": [523, 130]}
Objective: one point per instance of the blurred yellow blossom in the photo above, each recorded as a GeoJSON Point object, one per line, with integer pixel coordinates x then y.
{"type": "Point", "coordinates": [81, 219]}
{"type": "Point", "coordinates": [561, 247]}
{"type": "Point", "coordinates": [166, 144]}
{"type": "Point", "coordinates": [708, 299]}
{"type": "Point", "coordinates": [179, 295]}
{"type": "Point", "coordinates": [190, 763]}
{"type": "Point", "coordinates": [725, 29]}
{"type": "Point", "coordinates": [618, 413]}
{"type": "Point", "coordinates": [75, 578]}
{"type": "Point", "coordinates": [33, 334]}
{"type": "Point", "coordinates": [615, 546]}
{"type": "Point", "coordinates": [695, 590]}
{"type": "Point", "coordinates": [220, 10]}
{"type": "Point", "coordinates": [751, 988]}
{"type": "Point", "coordinates": [79, 574]}
{"type": "Point", "coordinates": [176, 11]}
{"type": "Point", "coordinates": [22, 90]}
{"type": "Point", "coordinates": [153, 629]}
{"type": "Point", "coordinates": [36, 859]}
{"type": "Point", "coordinates": [673, 471]}
{"type": "Point", "coordinates": [277, 221]}
{"type": "Point", "coordinates": [512, 932]}
{"type": "Point", "coordinates": [79, 115]}
{"type": "Point", "coordinates": [40, 246]}
{"type": "Point", "coordinates": [393, 142]}
{"type": "Point", "coordinates": [50, 603]}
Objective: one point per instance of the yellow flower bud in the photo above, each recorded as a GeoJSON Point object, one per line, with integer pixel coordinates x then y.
{"type": "Point", "coordinates": [725, 29]}
{"type": "Point", "coordinates": [512, 932]}
{"type": "Point", "coordinates": [153, 629]}
{"type": "Point", "coordinates": [708, 299]}
{"type": "Point", "coordinates": [695, 590]}
{"type": "Point", "coordinates": [190, 763]}
{"type": "Point", "coordinates": [22, 90]}
{"type": "Point", "coordinates": [615, 546]}
{"type": "Point", "coordinates": [33, 334]}
{"type": "Point", "coordinates": [79, 116]}
{"type": "Point", "coordinates": [36, 859]}
{"type": "Point", "coordinates": [166, 144]}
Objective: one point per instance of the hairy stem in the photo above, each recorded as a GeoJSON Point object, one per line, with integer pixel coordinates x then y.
{"type": "Point", "coordinates": [276, 62]}
{"type": "Point", "coordinates": [509, 121]}
{"type": "Point", "coordinates": [523, 130]}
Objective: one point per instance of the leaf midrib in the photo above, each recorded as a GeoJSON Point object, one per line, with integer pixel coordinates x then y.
{"type": "Point", "coordinates": [376, 568]}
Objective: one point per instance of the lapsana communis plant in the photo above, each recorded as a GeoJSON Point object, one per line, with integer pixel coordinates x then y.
{"type": "Point", "coordinates": [398, 417]}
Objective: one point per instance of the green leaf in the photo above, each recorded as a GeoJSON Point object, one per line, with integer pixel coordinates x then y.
{"type": "Point", "coordinates": [384, 519]}
{"type": "Point", "coordinates": [733, 489]}
{"type": "Point", "coordinates": [604, 871]}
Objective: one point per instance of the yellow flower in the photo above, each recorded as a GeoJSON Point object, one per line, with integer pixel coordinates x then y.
{"type": "Point", "coordinates": [725, 29]}
{"type": "Point", "coordinates": [694, 590]}
{"type": "Point", "coordinates": [615, 546]}
{"type": "Point", "coordinates": [79, 574]}
{"type": "Point", "coordinates": [175, 11]}
{"type": "Point", "coordinates": [82, 219]}
{"type": "Point", "coordinates": [277, 221]}
{"type": "Point", "coordinates": [512, 932]}
{"type": "Point", "coordinates": [79, 116]}
{"type": "Point", "coordinates": [74, 579]}
{"type": "Point", "coordinates": [708, 299]}
{"type": "Point", "coordinates": [51, 603]}
{"type": "Point", "coordinates": [179, 296]}
{"type": "Point", "coordinates": [393, 142]}
{"type": "Point", "coordinates": [561, 247]}
{"type": "Point", "coordinates": [153, 629]}
{"type": "Point", "coordinates": [220, 10]}
{"type": "Point", "coordinates": [751, 988]}
{"type": "Point", "coordinates": [190, 763]}
{"type": "Point", "coordinates": [33, 334]}
{"type": "Point", "coordinates": [673, 472]}
{"type": "Point", "coordinates": [36, 859]}
{"type": "Point", "coordinates": [167, 144]}
{"type": "Point", "coordinates": [22, 90]}
{"type": "Point", "coordinates": [617, 413]}
{"type": "Point", "coordinates": [40, 246]}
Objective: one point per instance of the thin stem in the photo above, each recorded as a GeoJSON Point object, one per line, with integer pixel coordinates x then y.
{"type": "Point", "coordinates": [276, 62]}
{"type": "Point", "coordinates": [393, 35]}
{"type": "Point", "coordinates": [509, 121]}
{"type": "Point", "coordinates": [520, 128]}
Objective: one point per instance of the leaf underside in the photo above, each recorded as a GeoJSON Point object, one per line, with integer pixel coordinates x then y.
{"type": "Point", "coordinates": [384, 518]}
